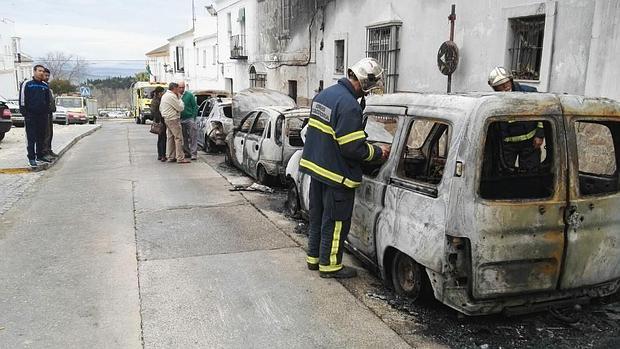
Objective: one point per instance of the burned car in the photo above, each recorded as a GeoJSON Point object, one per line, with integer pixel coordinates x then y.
{"type": "Point", "coordinates": [215, 123]}
{"type": "Point", "coordinates": [448, 212]}
{"type": "Point", "coordinates": [265, 141]}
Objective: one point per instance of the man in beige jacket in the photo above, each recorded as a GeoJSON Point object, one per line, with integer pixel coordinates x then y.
{"type": "Point", "coordinates": [171, 107]}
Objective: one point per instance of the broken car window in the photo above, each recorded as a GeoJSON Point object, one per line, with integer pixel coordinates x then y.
{"type": "Point", "coordinates": [293, 129]}
{"type": "Point", "coordinates": [518, 160]}
{"type": "Point", "coordinates": [424, 155]}
{"type": "Point", "coordinates": [597, 156]}
{"type": "Point", "coordinates": [260, 124]}
{"type": "Point", "coordinates": [247, 123]}
{"type": "Point", "coordinates": [379, 129]}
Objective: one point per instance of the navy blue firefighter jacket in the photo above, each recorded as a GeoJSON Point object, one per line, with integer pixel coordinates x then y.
{"type": "Point", "coordinates": [522, 130]}
{"type": "Point", "coordinates": [34, 98]}
{"type": "Point", "coordinates": [335, 139]}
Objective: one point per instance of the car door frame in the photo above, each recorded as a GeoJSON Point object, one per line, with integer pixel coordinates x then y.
{"type": "Point", "coordinates": [253, 145]}
{"type": "Point", "coordinates": [592, 251]}
{"type": "Point", "coordinates": [239, 137]}
{"type": "Point", "coordinates": [369, 196]}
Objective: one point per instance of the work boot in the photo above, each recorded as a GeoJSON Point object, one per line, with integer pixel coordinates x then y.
{"type": "Point", "coordinates": [45, 158]}
{"type": "Point", "coordinates": [313, 266]}
{"type": "Point", "coordinates": [32, 163]}
{"type": "Point", "coordinates": [52, 154]}
{"type": "Point", "coordinates": [344, 273]}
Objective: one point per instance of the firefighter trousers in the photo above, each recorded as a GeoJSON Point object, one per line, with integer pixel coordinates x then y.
{"type": "Point", "coordinates": [330, 220]}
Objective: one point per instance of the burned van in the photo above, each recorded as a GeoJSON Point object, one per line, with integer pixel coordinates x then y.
{"type": "Point", "coordinates": [449, 209]}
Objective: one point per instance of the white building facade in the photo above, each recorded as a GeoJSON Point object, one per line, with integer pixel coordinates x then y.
{"type": "Point", "coordinates": [302, 46]}
{"type": "Point", "coordinates": [8, 77]}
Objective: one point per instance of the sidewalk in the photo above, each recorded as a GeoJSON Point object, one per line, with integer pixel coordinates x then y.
{"type": "Point", "coordinates": [16, 176]}
{"type": "Point", "coordinates": [13, 147]}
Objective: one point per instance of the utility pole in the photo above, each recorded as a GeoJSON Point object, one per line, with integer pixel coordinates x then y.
{"type": "Point", "coordinates": [193, 15]}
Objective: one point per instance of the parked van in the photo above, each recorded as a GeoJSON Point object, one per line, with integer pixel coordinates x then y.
{"type": "Point", "coordinates": [447, 211]}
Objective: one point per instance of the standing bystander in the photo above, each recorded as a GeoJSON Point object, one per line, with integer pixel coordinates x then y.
{"type": "Point", "coordinates": [49, 130]}
{"type": "Point", "coordinates": [188, 123]}
{"type": "Point", "coordinates": [34, 104]}
{"type": "Point", "coordinates": [171, 107]}
{"type": "Point", "coordinates": [161, 137]}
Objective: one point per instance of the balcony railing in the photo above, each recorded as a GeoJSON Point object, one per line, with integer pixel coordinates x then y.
{"type": "Point", "coordinates": [237, 47]}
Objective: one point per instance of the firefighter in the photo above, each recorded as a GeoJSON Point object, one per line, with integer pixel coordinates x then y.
{"type": "Point", "coordinates": [334, 149]}
{"type": "Point", "coordinates": [522, 139]}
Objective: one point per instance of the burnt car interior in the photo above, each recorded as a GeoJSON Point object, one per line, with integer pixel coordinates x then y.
{"type": "Point", "coordinates": [507, 181]}
{"type": "Point", "coordinates": [597, 156]}
{"type": "Point", "coordinates": [424, 155]}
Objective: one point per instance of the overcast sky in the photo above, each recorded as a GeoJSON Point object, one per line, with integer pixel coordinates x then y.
{"type": "Point", "coordinates": [97, 29]}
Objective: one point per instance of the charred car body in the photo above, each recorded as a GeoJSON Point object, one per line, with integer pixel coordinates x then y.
{"type": "Point", "coordinates": [265, 141]}
{"type": "Point", "coordinates": [446, 210]}
{"type": "Point", "coordinates": [215, 123]}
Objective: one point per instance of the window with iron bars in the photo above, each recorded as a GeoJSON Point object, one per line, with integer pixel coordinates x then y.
{"type": "Point", "coordinates": [257, 79]}
{"type": "Point", "coordinates": [339, 57]}
{"type": "Point", "coordinates": [285, 7]}
{"type": "Point", "coordinates": [383, 45]}
{"type": "Point", "coordinates": [525, 51]}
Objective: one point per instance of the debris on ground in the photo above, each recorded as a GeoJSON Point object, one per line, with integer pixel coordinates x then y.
{"type": "Point", "coordinates": [253, 187]}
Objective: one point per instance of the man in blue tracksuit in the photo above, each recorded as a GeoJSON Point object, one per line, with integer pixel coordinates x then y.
{"type": "Point", "coordinates": [34, 105]}
{"type": "Point", "coordinates": [520, 139]}
{"type": "Point", "coordinates": [334, 148]}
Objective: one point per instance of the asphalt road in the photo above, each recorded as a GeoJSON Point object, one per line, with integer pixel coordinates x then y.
{"type": "Point", "coordinates": [112, 249]}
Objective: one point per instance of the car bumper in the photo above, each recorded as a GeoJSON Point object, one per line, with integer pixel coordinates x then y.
{"type": "Point", "coordinates": [17, 120]}
{"type": "Point", "coordinates": [460, 299]}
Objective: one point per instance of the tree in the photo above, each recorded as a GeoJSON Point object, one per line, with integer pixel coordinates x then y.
{"type": "Point", "coordinates": [61, 86]}
{"type": "Point", "coordinates": [65, 66]}
{"type": "Point", "coordinates": [143, 76]}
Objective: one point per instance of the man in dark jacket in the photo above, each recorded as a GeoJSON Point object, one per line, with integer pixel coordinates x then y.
{"type": "Point", "coordinates": [522, 139]}
{"type": "Point", "coordinates": [161, 137]}
{"type": "Point", "coordinates": [335, 147]}
{"type": "Point", "coordinates": [34, 105]}
{"type": "Point", "coordinates": [49, 130]}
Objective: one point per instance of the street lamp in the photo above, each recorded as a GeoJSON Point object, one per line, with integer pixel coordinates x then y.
{"type": "Point", "coordinates": [211, 10]}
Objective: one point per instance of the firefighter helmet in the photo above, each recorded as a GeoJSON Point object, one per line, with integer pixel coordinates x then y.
{"type": "Point", "coordinates": [369, 73]}
{"type": "Point", "coordinates": [498, 76]}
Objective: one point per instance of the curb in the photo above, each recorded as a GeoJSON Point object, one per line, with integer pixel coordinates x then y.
{"type": "Point", "coordinates": [27, 169]}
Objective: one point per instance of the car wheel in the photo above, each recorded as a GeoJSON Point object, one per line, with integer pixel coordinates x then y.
{"type": "Point", "coordinates": [209, 146]}
{"type": "Point", "coordinates": [262, 176]}
{"type": "Point", "coordinates": [228, 157]}
{"type": "Point", "coordinates": [406, 276]}
{"type": "Point", "coordinates": [292, 199]}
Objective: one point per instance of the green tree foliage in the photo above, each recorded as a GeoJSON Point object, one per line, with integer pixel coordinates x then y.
{"type": "Point", "coordinates": [142, 76]}
{"type": "Point", "coordinates": [61, 86]}
{"type": "Point", "coordinates": [113, 83]}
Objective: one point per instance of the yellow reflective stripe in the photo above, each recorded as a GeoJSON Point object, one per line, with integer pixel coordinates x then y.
{"type": "Point", "coordinates": [325, 128]}
{"type": "Point", "coordinates": [333, 256]}
{"type": "Point", "coordinates": [353, 136]}
{"type": "Point", "coordinates": [540, 125]}
{"type": "Point", "coordinates": [322, 127]}
{"type": "Point", "coordinates": [371, 152]}
{"type": "Point", "coordinates": [521, 138]}
{"type": "Point", "coordinates": [330, 268]}
{"type": "Point", "coordinates": [312, 260]}
{"type": "Point", "coordinates": [328, 174]}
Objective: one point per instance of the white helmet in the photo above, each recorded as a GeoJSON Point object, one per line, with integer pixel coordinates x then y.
{"type": "Point", "coordinates": [498, 76]}
{"type": "Point", "coordinates": [369, 73]}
